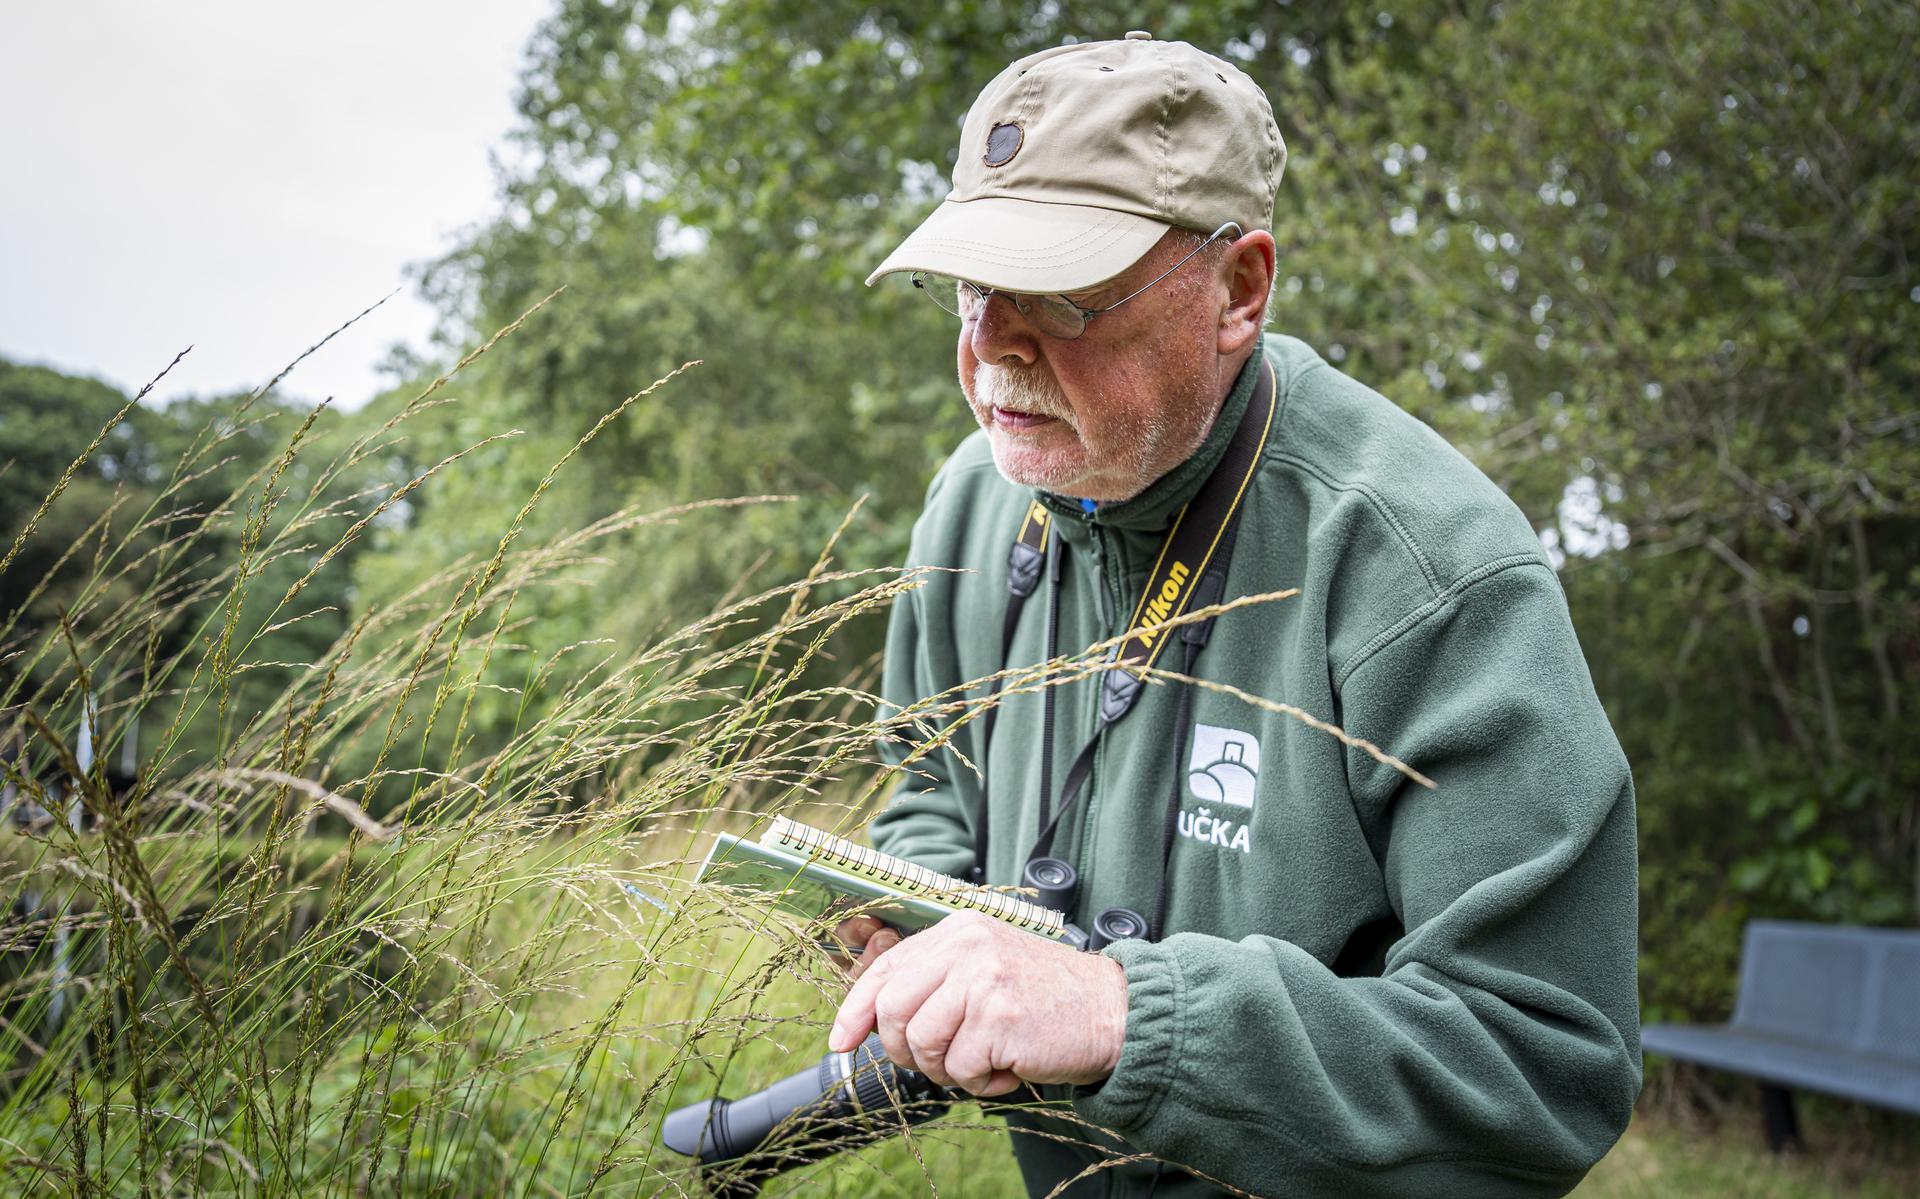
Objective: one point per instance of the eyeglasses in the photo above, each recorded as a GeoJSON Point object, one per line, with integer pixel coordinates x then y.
{"type": "Point", "coordinates": [1056, 316]}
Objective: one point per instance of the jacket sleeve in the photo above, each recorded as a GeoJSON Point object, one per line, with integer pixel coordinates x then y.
{"type": "Point", "coordinates": [930, 819]}
{"type": "Point", "coordinates": [1498, 1053]}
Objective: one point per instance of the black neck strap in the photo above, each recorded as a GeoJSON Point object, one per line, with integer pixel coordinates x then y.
{"type": "Point", "coordinates": [1029, 553]}
{"type": "Point", "coordinates": [1189, 574]}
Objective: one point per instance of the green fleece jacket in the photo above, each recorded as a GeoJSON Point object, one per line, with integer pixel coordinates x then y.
{"type": "Point", "coordinates": [1367, 987]}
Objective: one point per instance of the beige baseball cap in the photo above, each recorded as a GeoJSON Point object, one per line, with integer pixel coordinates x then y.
{"type": "Point", "coordinates": [1074, 161]}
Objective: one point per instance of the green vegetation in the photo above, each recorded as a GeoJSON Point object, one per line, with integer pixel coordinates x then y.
{"type": "Point", "coordinates": [408, 697]}
{"type": "Point", "coordinates": [234, 973]}
{"type": "Point", "coordinates": [1660, 1157]}
{"type": "Point", "coordinates": [1659, 284]}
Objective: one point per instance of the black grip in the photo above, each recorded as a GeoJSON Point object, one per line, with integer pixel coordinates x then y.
{"type": "Point", "coordinates": [845, 1099]}
{"type": "Point", "coordinates": [720, 1130]}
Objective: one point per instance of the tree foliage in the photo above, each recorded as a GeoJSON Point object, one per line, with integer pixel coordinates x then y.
{"type": "Point", "coordinates": [147, 531]}
{"type": "Point", "coordinates": [1650, 265]}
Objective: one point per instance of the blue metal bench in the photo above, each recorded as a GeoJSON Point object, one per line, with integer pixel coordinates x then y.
{"type": "Point", "coordinates": [1820, 1008]}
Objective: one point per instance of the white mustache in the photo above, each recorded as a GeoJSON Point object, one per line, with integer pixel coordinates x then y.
{"type": "Point", "coordinates": [1027, 391]}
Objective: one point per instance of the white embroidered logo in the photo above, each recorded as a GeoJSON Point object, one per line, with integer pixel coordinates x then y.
{"type": "Point", "coordinates": [1224, 769]}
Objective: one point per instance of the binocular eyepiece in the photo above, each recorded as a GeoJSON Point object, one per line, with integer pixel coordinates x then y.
{"type": "Point", "coordinates": [1055, 884]}
{"type": "Point", "coordinates": [1116, 924]}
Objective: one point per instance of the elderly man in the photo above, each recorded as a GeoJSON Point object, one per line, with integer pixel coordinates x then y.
{"type": "Point", "coordinates": [1346, 983]}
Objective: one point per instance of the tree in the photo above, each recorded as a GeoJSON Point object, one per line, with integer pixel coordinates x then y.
{"type": "Point", "coordinates": [1658, 283]}
{"type": "Point", "coordinates": [149, 531]}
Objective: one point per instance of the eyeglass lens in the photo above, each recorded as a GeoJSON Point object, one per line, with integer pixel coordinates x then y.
{"type": "Point", "coordinates": [1054, 315]}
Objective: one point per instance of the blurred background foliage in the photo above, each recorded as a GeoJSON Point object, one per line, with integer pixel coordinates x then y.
{"type": "Point", "coordinates": [1651, 265]}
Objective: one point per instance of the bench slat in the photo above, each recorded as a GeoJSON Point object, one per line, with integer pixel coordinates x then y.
{"type": "Point", "coordinates": [1865, 1077]}
{"type": "Point", "coordinates": [1820, 1007]}
{"type": "Point", "coordinates": [1847, 988]}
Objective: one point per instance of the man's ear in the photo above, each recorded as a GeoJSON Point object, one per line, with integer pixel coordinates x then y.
{"type": "Point", "coordinates": [1249, 278]}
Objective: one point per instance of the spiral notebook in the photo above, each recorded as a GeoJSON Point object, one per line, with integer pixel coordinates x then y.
{"type": "Point", "coordinates": [812, 873]}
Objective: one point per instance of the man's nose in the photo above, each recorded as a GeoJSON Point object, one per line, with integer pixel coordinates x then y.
{"type": "Point", "coordinates": [1001, 334]}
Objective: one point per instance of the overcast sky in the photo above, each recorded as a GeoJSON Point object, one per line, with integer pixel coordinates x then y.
{"type": "Point", "coordinates": [242, 177]}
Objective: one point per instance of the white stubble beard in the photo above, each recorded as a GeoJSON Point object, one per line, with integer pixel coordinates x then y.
{"type": "Point", "coordinates": [1137, 449]}
{"type": "Point", "coordinates": [1026, 390]}
{"type": "Point", "coordinates": [1029, 390]}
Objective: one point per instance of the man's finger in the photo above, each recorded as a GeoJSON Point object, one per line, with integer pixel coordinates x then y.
{"type": "Point", "coordinates": [877, 944]}
{"type": "Point", "coordinates": [855, 1020]}
{"type": "Point", "coordinates": [900, 1000]}
{"type": "Point", "coordinates": [1000, 1083]}
{"type": "Point", "coordinates": [855, 931]}
{"type": "Point", "coordinates": [891, 1027]}
{"type": "Point", "coordinates": [970, 1062]}
{"type": "Point", "coordinates": [932, 1030]}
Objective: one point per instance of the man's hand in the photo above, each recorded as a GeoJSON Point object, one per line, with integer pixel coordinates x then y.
{"type": "Point", "coordinates": [977, 1004]}
{"type": "Point", "coordinates": [866, 938]}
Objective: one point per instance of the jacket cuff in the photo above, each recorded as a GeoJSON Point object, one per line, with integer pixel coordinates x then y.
{"type": "Point", "coordinates": [1150, 1055]}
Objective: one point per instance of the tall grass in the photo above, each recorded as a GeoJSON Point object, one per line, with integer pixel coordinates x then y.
{"type": "Point", "coordinates": [356, 937]}
{"type": "Point", "coordinates": [473, 965]}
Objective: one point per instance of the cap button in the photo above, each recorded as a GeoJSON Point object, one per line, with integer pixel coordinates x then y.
{"type": "Point", "coordinates": [1139, 35]}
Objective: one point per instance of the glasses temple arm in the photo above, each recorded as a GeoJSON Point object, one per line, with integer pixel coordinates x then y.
{"type": "Point", "coordinates": [1215, 236]}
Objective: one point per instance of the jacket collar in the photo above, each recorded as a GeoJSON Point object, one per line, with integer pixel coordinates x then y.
{"type": "Point", "coordinates": [1153, 510]}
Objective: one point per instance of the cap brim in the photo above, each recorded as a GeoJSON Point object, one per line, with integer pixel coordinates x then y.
{"type": "Point", "coordinates": [1024, 245]}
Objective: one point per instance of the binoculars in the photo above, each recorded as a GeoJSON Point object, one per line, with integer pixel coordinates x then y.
{"type": "Point", "coordinates": [1055, 884]}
